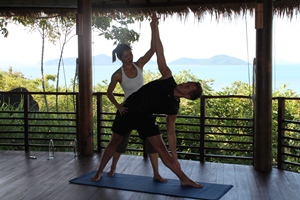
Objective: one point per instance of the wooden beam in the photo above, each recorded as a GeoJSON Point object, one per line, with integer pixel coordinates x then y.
{"type": "Point", "coordinates": [263, 91]}
{"type": "Point", "coordinates": [85, 77]}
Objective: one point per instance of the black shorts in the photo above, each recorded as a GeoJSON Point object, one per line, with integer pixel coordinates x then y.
{"type": "Point", "coordinates": [145, 125]}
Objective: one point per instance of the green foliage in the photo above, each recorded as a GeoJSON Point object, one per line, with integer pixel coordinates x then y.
{"type": "Point", "coordinates": [3, 30]}
{"type": "Point", "coordinates": [116, 27]}
{"type": "Point", "coordinates": [12, 79]}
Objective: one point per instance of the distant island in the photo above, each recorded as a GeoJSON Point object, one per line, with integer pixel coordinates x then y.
{"type": "Point", "coordinates": [215, 60]}
{"type": "Point", "coordinates": [103, 59]}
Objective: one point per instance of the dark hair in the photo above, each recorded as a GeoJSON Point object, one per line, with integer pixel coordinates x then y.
{"type": "Point", "coordinates": [119, 50]}
{"type": "Point", "coordinates": [197, 93]}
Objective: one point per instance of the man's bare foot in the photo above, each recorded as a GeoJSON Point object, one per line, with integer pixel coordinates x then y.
{"type": "Point", "coordinates": [97, 177]}
{"type": "Point", "coordinates": [191, 183]}
{"type": "Point", "coordinates": [158, 178]}
{"type": "Point", "coordinates": [111, 172]}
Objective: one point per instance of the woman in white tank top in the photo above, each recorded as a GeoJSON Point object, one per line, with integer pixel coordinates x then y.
{"type": "Point", "coordinates": [130, 76]}
{"type": "Point", "coordinates": [130, 85]}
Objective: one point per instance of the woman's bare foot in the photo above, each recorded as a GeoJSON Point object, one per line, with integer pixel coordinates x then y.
{"type": "Point", "coordinates": [159, 179]}
{"type": "Point", "coordinates": [189, 182]}
{"type": "Point", "coordinates": [97, 177]}
{"type": "Point", "coordinates": [111, 172]}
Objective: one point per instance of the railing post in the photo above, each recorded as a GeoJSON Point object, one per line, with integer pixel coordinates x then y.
{"type": "Point", "coordinates": [202, 129]}
{"type": "Point", "coordinates": [99, 122]}
{"type": "Point", "coordinates": [280, 127]}
{"type": "Point", "coordinates": [77, 121]}
{"type": "Point", "coordinates": [26, 118]}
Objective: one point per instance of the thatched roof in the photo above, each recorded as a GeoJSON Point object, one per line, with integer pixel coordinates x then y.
{"type": "Point", "coordinates": [225, 8]}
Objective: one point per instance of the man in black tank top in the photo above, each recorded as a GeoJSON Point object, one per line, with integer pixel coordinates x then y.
{"type": "Point", "coordinates": [161, 96]}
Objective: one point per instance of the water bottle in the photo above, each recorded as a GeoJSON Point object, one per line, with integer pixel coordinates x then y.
{"type": "Point", "coordinates": [51, 149]}
{"type": "Point", "coordinates": [75, 149]}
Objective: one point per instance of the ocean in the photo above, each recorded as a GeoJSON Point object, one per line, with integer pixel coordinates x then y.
{"type": "Point", "coordinates": [224, 75]}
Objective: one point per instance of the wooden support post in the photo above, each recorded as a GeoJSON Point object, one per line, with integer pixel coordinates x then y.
{"type": "Point", "coordinates": [84, 31]}
{"type": "Point", "coordinates": [202, 129]}
{"type": "Point", "coordinates": [280, 130]}
{"type": "Point", "coordinates": [263, 91]}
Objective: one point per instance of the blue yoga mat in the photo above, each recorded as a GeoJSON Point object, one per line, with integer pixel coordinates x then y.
{"type": "Point", "coordinates": [147, 185]}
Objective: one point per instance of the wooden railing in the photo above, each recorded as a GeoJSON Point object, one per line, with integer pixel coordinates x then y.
{"type": "Point", "coordinates": [288, 147]}
{"type": "Point", "coordinates": [234, 143]}
{"type": "Point", "coordinates": [24, 129]}
{"type": "Point", "coordinates": [204, 137]}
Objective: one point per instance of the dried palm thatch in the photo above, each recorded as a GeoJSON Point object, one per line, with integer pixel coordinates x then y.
{"type": "Point", "coordinates": [217, 8]}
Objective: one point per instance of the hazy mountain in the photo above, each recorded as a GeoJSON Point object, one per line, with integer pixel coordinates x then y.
{"type": "Point", "coordinates": [215, 60]}
{"type": "Point", "coordinates": [103, 59]}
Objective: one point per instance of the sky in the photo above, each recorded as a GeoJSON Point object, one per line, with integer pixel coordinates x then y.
{"type": "Point", "coordinates": [188, 38]}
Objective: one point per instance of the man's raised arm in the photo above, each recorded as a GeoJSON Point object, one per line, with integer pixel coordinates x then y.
{"type": "Point", "coordinates": [161, 61]}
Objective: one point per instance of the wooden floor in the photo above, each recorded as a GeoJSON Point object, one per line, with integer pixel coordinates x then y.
{"type": "Point", "coordinates": [25, 178]}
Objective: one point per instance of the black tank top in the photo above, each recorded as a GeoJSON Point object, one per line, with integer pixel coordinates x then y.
{"type": "Point", "coordinates": [156, 97]}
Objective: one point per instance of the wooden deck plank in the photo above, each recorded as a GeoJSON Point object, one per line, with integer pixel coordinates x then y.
{"type": "Point", "coordinates": [272, 186]}
{"type": "Point", "coordinates": [294, 181]}
{"type": "Point", "coordinates": [51, 185]}
{"type": "Point", "coordinates": [204, 172]}
{"type": "Point", "coordinates": [242, 183]}
{"type": "Point", "coordinates": [229, 178]}
{"type": "Point", "coordinates": [39, 177]}
{"type": "Point", "coordinates": [28, 179]}
{"type": "Point", "coordinates": [43, 183]}
{"type": "Point", "coordinates": [261, 184]}
{"type": "Point", "coordinates": [253, 187]}
{"type": "Point", "coordinates": [284, 184]}
{"type": "Point", "coordinates": [18, 177]}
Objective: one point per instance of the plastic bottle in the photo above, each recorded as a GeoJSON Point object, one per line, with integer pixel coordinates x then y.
{"type": "Point", "coordinates": [75, 148]}
{"type": "Point", "coordinates": [51, 149]}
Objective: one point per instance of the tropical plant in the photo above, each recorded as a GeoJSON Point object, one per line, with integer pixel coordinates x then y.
{"type": "Point", "coordinates": [3, 29]}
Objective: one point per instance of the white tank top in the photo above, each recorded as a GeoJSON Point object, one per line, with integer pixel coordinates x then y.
{"type": "Point", "coordinates": [130, 85]}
